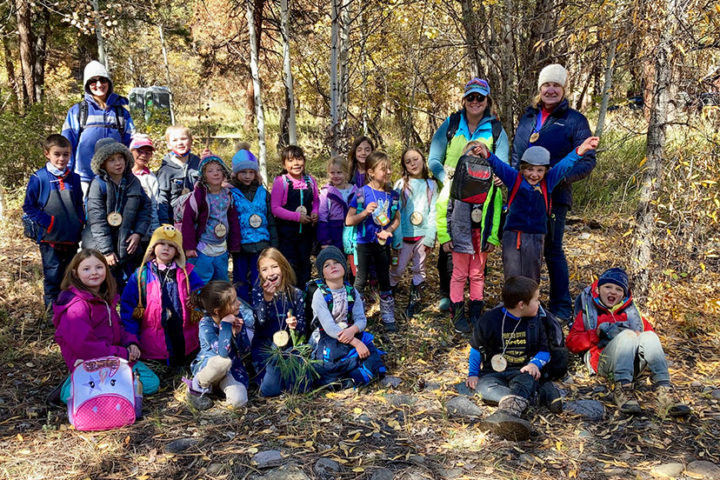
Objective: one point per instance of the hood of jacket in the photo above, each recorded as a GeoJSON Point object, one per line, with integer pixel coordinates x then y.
{"type": "Point", "coordinates": [104, 149]}
{"type": "Point", "coordinates": [595, 292]}
{"type": "Point", "coordinates": [71, 296]}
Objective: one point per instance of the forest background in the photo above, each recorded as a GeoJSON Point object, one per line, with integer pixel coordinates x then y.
{"type": "Point", "coordinates": [319, 73]}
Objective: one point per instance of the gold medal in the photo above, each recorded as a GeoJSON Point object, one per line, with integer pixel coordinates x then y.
{"type": "Point", "coordinates": [498, 363]}
{"type": "Point", "coordinates": [342, 325]}
{"type": "Point", "coordinates": [281, 338]}
{"type": "Point", "coordinates": [301, 210]}
{"type": "Point", "coordinates": [534, 137]}
{"type": "Point", "coordinates": [416, 218]}
{"type": "Point", "coordinates": [255, 220]}
{"type": "Point", "coordinates": [381, 241]}
{"type": "Point", "coordinates": [220, 230]}
{"type": "Point", "coordinates": [185, 191]}
{"type": "Point", "coordinates": [114, 219]}
{"type": "Point", "coordinates": [476, 215]}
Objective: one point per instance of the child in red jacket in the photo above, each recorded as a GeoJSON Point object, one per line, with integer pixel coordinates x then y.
{"type": "Point", "coordinates": [618, 343]}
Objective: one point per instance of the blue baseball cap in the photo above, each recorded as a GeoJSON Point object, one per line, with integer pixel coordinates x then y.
{"type": "Point", "coordinates": [477, 85]}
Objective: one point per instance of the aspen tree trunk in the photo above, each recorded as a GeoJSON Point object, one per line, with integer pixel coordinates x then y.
{"type": "Point", "coordinates": [339, 75]}
{"type": "Point", "coordinates": [609, 69]}
{"type": "Point", "coordinates": [652, 179]}
{"type": "Point", "coordinates": [102, 57]}
{"type": "Point", "coordinates": [259, 113]}
{"type": "Point", "coordinates": [27, 62]}
{"type": "Point", "coordinates": [472, 37]}
{"type": "Point", "coordinates": [288, 77]}
{"type": "Point", "coordinates": [167, 73]}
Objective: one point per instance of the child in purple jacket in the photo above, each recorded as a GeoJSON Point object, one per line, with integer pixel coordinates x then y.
{"type": "Point", "coordinates": [334, 204]}
{"type": "Point", "coordinates": [210, 227]}
{"type": "Point", "coordinates": [87, 324]}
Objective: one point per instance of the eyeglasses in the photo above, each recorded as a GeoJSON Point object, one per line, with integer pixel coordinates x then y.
{"type": "Point", "coordinates": [475, 97]}
{"type": "Point", "coordinates": [95, 80]}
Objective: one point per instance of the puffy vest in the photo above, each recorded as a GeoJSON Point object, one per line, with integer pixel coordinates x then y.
{"type": "Point", "coordinates": [246, 209]}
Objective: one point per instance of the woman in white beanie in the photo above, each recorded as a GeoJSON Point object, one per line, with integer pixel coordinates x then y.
{"type": "Point", "coordinates": [550, 122]}
{"type": "Point", "coordinates": [101, 114]}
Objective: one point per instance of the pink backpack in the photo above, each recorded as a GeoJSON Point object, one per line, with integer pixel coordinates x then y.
{"type": "Point", "coordinates": [102, 395]}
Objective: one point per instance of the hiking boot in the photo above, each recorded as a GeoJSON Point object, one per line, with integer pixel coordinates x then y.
{"type": "Point", "coordinates": [507, 426]}
{"type": "Point", "coordinates": [444, 305]}
{"type": "Point", "coordinates": [668, 403]}
{"type": "Point", "coordinates": [414, 300]}
{"type": "Point", "coordinates": [624, 398]}
{"type": "Point", "coordinates": [513, 404]}
{"type": "Point", "coordinates": [549, 396]}
{"type": "Point", "coordinates": [475, 309]}
{"type": "Point", "coordinates": [387, 309]}
{"type": "Point", "coordinates": [457, 310]}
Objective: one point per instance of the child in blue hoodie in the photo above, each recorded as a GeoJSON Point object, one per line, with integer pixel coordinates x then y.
{"type": "Point", "coordinates": [54, 203]}
{"type": "Point", "coordinates": [529, 204]}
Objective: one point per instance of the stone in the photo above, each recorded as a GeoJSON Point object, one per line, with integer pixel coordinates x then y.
{"type": "Point", "coordinates": [400, 400]}
{"type": "Point", "coordinates": [463, 389]}
{"type": "Point", "coordinates": [326, 467]}
{"type": "Point", "coordinates": [382, 474]}
{"type": "Point", "coordinates": [390, 381]}
{"type": "Point", "coordinates": [267, 459]}
{"type": "Point", "coordinates": [668, 470]}
{"type": "Point", "coordinates": [584, 236]}
{"type": "Point", "coordinates": [364, 419]}
{"type": "Point", "coordinates": [696, 385]}
{"type": "Point", "coordinates": [703, 469]}
{"type": "Point", "coordinates": [450, 473]}
{"type": "Point", "coordinates": [592, 410]}
{"type": "Point", "coordinates": [418, 459]}
{"type": "Point", "coordinates": [463, 407]}
{"type": "Point", "coordinates": [599, 389]}
{"type": "Point", "coordinates": [181, 444]}
{"type": "Point", "coordinates": [527, 458]}
{"type": "Point", "coordinates": [715, 394]}
{"type": "Point", "coordinates": [431, 387]}
{"type": "Point", "coordinates": [286, 473]}
{"type": "Point", "coordinates": [585, 434]}
{"type": "Point", "coordinates": [215, 468]}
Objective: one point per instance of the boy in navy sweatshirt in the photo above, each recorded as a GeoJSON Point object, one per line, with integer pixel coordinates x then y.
{"type": "Point", "coordinates": [54, 205]}
{"type": "Point", "coordinates": [510, 347]}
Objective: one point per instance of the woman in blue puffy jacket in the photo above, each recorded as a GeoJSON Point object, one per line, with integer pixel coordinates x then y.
{"type": "Point", "coordinates": [101, 114]}
{"type": "Point", "coordinates": [550, 122]}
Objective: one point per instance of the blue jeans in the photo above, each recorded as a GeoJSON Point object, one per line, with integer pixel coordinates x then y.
{"type": "Point", "coordinates": [629, 353]}
{"type": "Point", "coordinates": [560, 303]}
{"type": "Point", "coordinates": [54, 262]}
{"type": "Point", "coordinates": [210, 268]}
{"type": "Point", "coordinates": [496, 385]}
{"type": "Point", "coordinates": [245, 273]}
{"type": "Point", "coordinates": [272, 383]}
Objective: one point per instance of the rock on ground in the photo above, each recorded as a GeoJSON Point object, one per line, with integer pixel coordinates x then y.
{"type": "Point", "coordinates": [668, 470]}
{"type": "Point", "coordinates": [326, 467]}
{"type": "Point", "coordinates": [267, 459]}
{"type": "Point", "coordinates": [703, 469]}
{"type": "Point", "coordinates": [290, 472]}
{"type": "Point", "coordinates": [181, 444]}
{"type": "Point", "coordinates": [463, 407]}
{"type": "Point", "coordinates": [382, 474]}
{"type": "Point", "coordinates": [592, 410]}
{"type": "Point", "coordinates": [390, 381]}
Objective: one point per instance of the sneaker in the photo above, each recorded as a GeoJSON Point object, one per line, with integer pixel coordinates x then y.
{"type": "Point", "coordinates": [444, 305]}
{"type": "Point", "coordinates": [549, 396]}
{"type": "Point", "coordinates": [624, 398]}
{"type": "Point", "coordinates": [668, 404]}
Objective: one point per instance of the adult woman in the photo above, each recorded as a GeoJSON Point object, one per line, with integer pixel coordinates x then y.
{"type": "Point", "coordinates": [475, 121]}
{"type": "Point", "coordinates": [100, 114]}
{"type": "Point", "coordinates": [550, 122]}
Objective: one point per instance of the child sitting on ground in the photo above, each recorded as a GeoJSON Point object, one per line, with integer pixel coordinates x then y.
{"type": "Point", "coordinates": [118, 210]}
{"type": "Point", "coordinates": [154, 304]}
{"type": "Point", "coordinates": [223, 339]}
{"type": "Point", "coordinates": [618, 343]}
{"type": "Point", "coordinates": [87, 325]}
{"type": "Point", "coordinates": [510, 347]}
{"type": "Point", "coordinates": [344, 348]}
{"type": "Point", "coordinates": [54, 202]}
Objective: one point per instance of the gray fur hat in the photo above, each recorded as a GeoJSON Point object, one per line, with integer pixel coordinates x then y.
{"type": "Point", "coordinates": [96, 69]}
{"type": "Point", "coordinates": [104, 148]}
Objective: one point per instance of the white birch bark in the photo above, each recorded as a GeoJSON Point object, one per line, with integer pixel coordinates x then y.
{"type": "Point", "coordinates": [259, 113]}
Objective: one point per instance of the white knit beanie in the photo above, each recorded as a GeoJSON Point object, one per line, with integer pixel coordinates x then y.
{"type": "Point", "coordinates": [555, 73]}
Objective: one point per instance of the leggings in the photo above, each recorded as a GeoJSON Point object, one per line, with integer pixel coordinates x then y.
{"type": "Point", "coordinates": [377, 255]}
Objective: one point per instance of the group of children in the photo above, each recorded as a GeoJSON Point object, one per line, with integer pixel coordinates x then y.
{"type": "Point", "coordinates": [163, 242]}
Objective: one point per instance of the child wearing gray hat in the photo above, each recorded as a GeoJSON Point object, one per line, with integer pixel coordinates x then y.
{"type": "Point", "coordinates": [529, 204]}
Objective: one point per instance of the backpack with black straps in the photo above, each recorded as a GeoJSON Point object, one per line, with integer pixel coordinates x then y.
{"type": "Point", "coordinates": [82, 118]}
{"type": "Point", "coordinates": [557, 366]}
{"type": "Point", "coordinates": [310, 289]}
{"type": "Point", "coordinates": [454, 123]}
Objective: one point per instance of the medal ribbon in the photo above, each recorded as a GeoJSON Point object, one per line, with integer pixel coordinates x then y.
{"type": "Point", "coordinates": [538, 124]}
{"type": "Point", "coordinates": [118, 195]}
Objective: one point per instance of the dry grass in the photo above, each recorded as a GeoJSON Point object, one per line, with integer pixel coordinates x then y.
{"type": "Point", "coordinates": [366, 429]}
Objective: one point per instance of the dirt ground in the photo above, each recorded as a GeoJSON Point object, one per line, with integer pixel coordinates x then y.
{"type": "Point", "coordinates": [406, 429]}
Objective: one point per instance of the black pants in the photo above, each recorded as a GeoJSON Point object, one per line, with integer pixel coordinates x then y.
{"type": "Point", "coordinates": [445, 268]}
{"type": "Point", "coordinates": [377, 255]}
{"type": "Point", "coordinates": [54, 262]}
{"type": "Point", "coordinates": [297, 248]}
